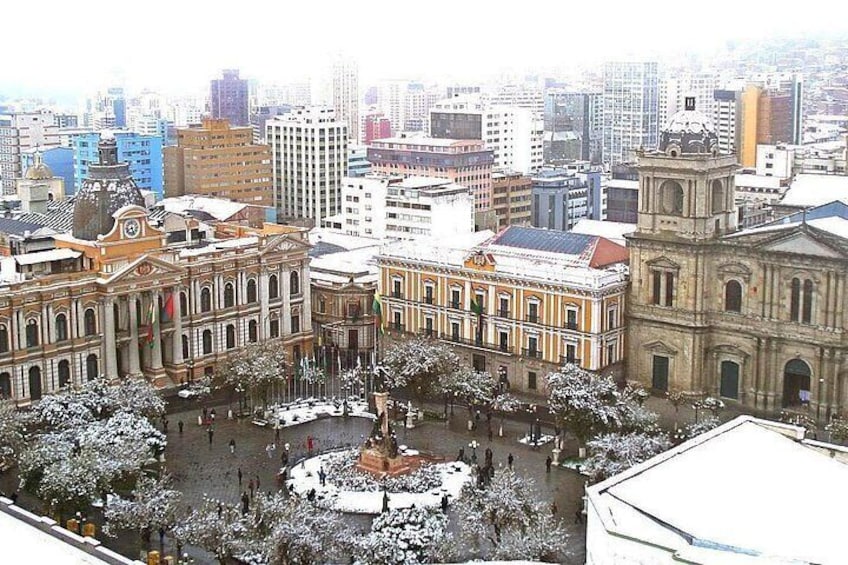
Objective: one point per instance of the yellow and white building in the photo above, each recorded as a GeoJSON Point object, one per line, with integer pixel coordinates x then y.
{"type": "Point", "coordinates": [546, 297]}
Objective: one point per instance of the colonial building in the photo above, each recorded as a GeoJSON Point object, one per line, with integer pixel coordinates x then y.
{"type": "Point", "coordinates": [754, 316]}
{"type": "Point", "coordinates": [517, 304]}
{"type": "Point", "coordinates": [115, 298]}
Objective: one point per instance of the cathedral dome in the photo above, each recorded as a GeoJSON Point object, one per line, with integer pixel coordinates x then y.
{"type": "Point", "coordinates": [689, 132]}
{"type": "Point", "coordinates": [38, 170]}
{"type": "Point", "coordinates": [108, 188]}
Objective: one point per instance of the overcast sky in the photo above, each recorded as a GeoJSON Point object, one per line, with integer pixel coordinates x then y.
{"type": "Point", "coordinates": [178, 45]}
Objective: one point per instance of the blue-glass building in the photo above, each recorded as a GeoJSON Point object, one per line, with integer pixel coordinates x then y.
{"type": "Point", "coordinates": [142, 152]}
{"type": "Point", "coordinates": [562, 197]}
{"type": "Point", "coordinates": [59, 159]}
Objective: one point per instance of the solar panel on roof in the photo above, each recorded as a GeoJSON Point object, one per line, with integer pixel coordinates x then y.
{"type": "Point", "coordinates": [552, 241]}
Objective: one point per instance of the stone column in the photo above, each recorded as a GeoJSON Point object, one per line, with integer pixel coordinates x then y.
{"type": "Point", "coordinates": [177, 341]}
{"type": "Point", "coordinates": [286, 311]}
{"type": "Point", "coordinates": [264, 318]}
{"type": "Point", "coordinates": [110, 357]}
{"type": "Point", "coordinates": [306, 289]}
{"type": "Point", "coordinates": [156, 353]}
{"type": "Point", "coordinates": [134, 366]}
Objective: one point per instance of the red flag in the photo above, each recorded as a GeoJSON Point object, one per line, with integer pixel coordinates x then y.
{"type": "Point", "coordinates": [169, 306]}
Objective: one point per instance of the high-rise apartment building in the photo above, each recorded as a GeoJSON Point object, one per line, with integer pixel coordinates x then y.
{"type": "Point", "coordinates": [143, 154]}
{"type": "Point", "coordinates": [631, 99]}
{"type": "Point", "coordinates": [518, 96]}
{"type": "Point", "coordinates": [309, 160]}
{"type": "Point", "coordinates": [466, 162]}
{"type": "Point", "coordinates": [561, 198]}
{"type": "Point", "coordinates": [219, 160]}
{"type": "Point", "coordinates": [19, 133]}
{"type": "Point", "coordinates": [673, 90]}
{"type": "Point", "coordinates": [514, 134]}
{"type": "Point", "coordinates": [346, 95]}
{"type": "Point", "coordinates": [573, 126]}
{"type": "Point", "coordinates": [726, 108]}
{"type": "Point", "coordinates": [770, 115]}
{"type": "Point", "coordinates": [377, 126]}
{"type": "Point", "coordinates": [228, 98]}
{"type": "Point", "coordinates": [511, 197]}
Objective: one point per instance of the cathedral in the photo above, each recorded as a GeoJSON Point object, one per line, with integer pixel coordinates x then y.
{"type": "Point", "coordinates": [755, 317]}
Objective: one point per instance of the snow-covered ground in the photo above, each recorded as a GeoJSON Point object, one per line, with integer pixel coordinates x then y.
{"type": "Point", "coordinates": [542, 440]}
{"type": "Point", "coordinates": [304, 477]}
{"type": "Point", "coordinates": [309, 409]}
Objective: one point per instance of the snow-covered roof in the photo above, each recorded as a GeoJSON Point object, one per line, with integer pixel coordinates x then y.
{"type": "Point", "coordinates": [721, 493]}
{"type": "Point", "coordinates": [613, 231]}
{"type": "Point", "coordinates": [48, 542]}
{"type": "Point", "coordinates": [218, 208]}
{"type": "Point", "coordinates": [813, 190]}
{"type": "Point", "coordinates": [834, 224]}
{"type": "Point", "coordinates": [46, 256]}
{"type": "Point", "coordinates": [338, 268]}
{"type": "Point", "coordinates": [548, 256]}
{"type": "Point", "coordinates": [219, 245]}
{"type": "Point", "coordinates": [623, 183]}
{"type": "Point", "coordinates": [342, 240]}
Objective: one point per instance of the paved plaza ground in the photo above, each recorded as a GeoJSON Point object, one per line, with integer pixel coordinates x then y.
{"type": "Point", "coordinates": [203, 469]}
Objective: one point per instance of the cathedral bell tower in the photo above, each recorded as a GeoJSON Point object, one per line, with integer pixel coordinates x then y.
{"type": "Point", "coordinates": [686, 189]}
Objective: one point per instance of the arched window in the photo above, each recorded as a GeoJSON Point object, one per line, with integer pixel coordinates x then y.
{"type": "Point", "coordinates": [91, 367]}
{"type": "Point", "coordinates": [733, 296]}
{"type": "Point", "coordinates": [671, 197]}
{"type": "Point", "coordinates": [231, 336]}
{"type": "Point", "coordinates": [273, 287]}
{"type": "Point", "coordinates": [294, 283]}
{"type": "Point", "coordinates": [35, 383]}
{"type": "Point", "coordinates": [4, 339]}
{"type": "Point", "coordinates": [90, 322]}
{"type": "Point", "coordinates": [32, 334]}
{"type": "Point", "coordinates": [64, 370]}
{"type": "Point", "coordinates": [207, 342]}
{"type": "Point", "coordinates": [61, 327]}
{"type": "Point", "coordinates": [183, 305]}
{"type": "Point", "coordinates": [251, 291]}
{"type": "Point", "coordinates": [807, 305]}
{"type": "Point", "coordinates": [795, 300]}
{"type": "Point", "coordinates": [229, 296]}
{"type": "Point", "coordinates": [252, 331]}
{"type": "Point", "coordinates": [5, 385]}
{"type": "Point", "coordinates": [186, 352]}
{"type": "Point", "coordinates": [205, 299]}
{"type": "Point", "coordinates": [718, 197]}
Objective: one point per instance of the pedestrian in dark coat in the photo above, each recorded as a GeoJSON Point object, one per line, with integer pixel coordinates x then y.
{"type": "Point", "coordinates": [250, 487]}
{"type": "Point", "coordinates": [239, 476]}
{"type": "Point", "coordinates": [509, 460]}
{"type": "Point", "coordinates": [180, 425]}
{"type": "Point", "coordinates": [211, 432]}
{"type": "Point", "coordinates": [548, 463]}
{"type": "Point", "coordinates": [445, 503]}
{"type": "Point", "coordinates": [245, 504]}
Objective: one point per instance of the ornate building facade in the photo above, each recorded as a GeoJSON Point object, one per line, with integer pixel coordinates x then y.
{"type": "Point", "coordinates": [757, 316]}
{"type": "Point", "coordinates": [115, 298]}
{"type": "Point", "coordinates": [518, 304]}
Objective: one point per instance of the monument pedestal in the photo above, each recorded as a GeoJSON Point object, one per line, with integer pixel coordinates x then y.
{"type": "Point", "coordinates": [374, 461]}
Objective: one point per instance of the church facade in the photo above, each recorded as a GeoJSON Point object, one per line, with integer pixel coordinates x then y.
{"type": "Point", "coordinates": [755, 317]}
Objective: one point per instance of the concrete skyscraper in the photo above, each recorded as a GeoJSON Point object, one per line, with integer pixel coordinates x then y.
{"type": "Point", "coordinates": [631, 105]}
{"type": "Point", "coordinates": [309, 159]}
{"type": "Point", "coordinates": [346, 95]}
{"type": "Point", "coordinates": [228, 98]}
{"type": "Point", "coordinates": [20, 133]}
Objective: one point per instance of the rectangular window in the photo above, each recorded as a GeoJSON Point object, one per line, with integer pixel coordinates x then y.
{"type": "Point", "coordinates": [611, 318]}
{"type": "Point", "coordinates": [275, 328]}
{"type": "Point", "coordinates": [570, 353]}
{"type": "Point", "coordinates": [455, 331]}
{"type": "Point", "coordinates": [533, 312]}
{"type": "Point", "coordinates": [657, 284]}
{"type": "Point", "coordinates": [428, 294]}
{"type": "Point", "coordinates": [571, 319]}
{"type": "Point", "coordinates": [503, 341]}
{"type": "Point", "coordinates": [503, 307]}
{"type": "Point", "coordinates": [455, 298]}
{"type": "Point", "coordinates": [295, 324]}
{"type": "Point", "coordinates": [532, 346]}
{"type": "Point", "coordinates": [669, 289]}
{"type": "Point", "coordinates": [611, 353]}
{"type": "Point", "coordinates": [531, 380]}
{"type": "Point", "coordinates": [396, 289]}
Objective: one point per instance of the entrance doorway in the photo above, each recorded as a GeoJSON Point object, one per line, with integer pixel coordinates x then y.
{"type": "Point", "coordinates": [796, 383]}
{"type": "Point", "coordinates": [35, 383]}
{"type": "Point", "coordinates": [729, 387]}
{"type": "Point", "coordinates": [659, 380]}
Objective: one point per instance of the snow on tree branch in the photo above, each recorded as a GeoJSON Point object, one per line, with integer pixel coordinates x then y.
{"type": "Point", "coordinates": [403, 536]}
{"type": "Point", "coordinates": [613, 453]}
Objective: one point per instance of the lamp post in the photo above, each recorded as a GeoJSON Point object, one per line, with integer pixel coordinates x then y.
{"type": "Point", "coordinates": [473, 445]}
{"type": "Point", "coordinates": [190, 365]}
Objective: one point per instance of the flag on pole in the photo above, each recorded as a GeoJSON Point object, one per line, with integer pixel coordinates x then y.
{"type": "Point", "coordinates": [339, 359]}
{"type": "Point", "coordinates": [358, 362]}
{"type": "Point", "coordinates": [377, 308]}
{"type": "Point", "coordinates": [169, 306]}
{"type": "Point", "coordinates": [151, 319]}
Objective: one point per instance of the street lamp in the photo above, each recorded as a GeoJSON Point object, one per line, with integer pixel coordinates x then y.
{"type": "Point", "coordinates": [190, 364]}
{"type": "Point", "coordinates": [473, 445]}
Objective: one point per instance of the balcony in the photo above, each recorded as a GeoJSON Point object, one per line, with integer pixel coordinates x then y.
{"type": "Point", "coordinates": [532, 318]}
{"type": "Point", "coordinates": [428, 332]}
{"type": "Point", "coordinates": [397, 294]}
{"type": "Point", "coordinates": [531, 353]}
{"type": "Point", "coordinates": [429, 299]}
{"type": "Point", "coordinates": [565, 359]}
{"type": "Point", "coordinates": [474, 342]}
{"type": "Point", "coordinates": [503, 313]}
{"type": "Point", "coordinates": [571, 326]}
{"type": "Point", "coordinates": [395, 327]}
{"type": "Point", "coordinates": [455, 304]}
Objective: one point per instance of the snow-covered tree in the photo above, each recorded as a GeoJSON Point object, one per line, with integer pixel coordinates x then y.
{"type": "Point", "coordinates": [352, 380]}
{"type": "Point", "coordinates": [216, 527]}
{"type": "Point", "coordinates": [637, 418]}
{"type": "Point", "coordinates": [254, 369]}
{"type": "Point", "coordinates": [402, 536]}
{"type": "Point", "coordinates": [703, 425]}
{"type": "Point", "coordinates": [584, 403]}
{"type": "Point", "coordinates": [418, 364]}
{"type": "Point", "coordinates": [498, 521]}
{"type": "Point", "coordinates": [838, 429]}
{"type": "Point", "coordinates": [475, 388]}
{"type": "Point", "coordinates": [12, 426]}
{"type": "Point", "coordinates": [152, 505]}
{"type": "Point", "coordinates": [613, 453]}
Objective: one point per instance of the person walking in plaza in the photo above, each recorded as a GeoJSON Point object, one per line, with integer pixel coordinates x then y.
{"type": "Point", "coordinates": [245, 503]}
{"type": "Point", "coordinates": [180, 425]}
{"type": "Point", "coordinates": [257, 483]}
{"type": "Point", "coordinates": [554, 508]}
{"type": "Point", "coordinates": [212, 415]}
{"type": "Point", "coordinates": [322, 475]}
{"type": "Point", "coordinates": [205, 414]}
{"type": "Point", "coordinates": [210, 432]}
{"type": "Point", "coordinates": [164, 425]}
{"type": "Point", "coordinates": [232, 445]}
{"type": "Point", "coordinates": [250, 487]}
{"type": "Point", "coordinates": [509, 460]}
{"type": "Point", "coordinates": [240, 475]}
{"type": "Point", "coordinates": [548, 463]}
